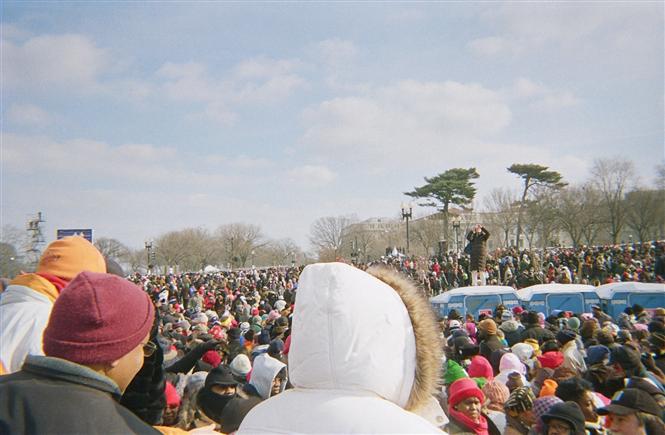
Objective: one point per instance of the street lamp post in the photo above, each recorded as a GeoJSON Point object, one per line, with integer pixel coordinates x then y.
{"type": "Point", "coordinates": [456, 226]}
{"type": "Point", "coordinates": [148, 248]}
{"type": "Point", "coordinates": [406, 215]}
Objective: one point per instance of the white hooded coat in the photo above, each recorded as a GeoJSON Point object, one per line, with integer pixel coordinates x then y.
{"type": "Point", "coordinates": [263, 373]}
{"type": "Point", "coordinates": [352, 360]}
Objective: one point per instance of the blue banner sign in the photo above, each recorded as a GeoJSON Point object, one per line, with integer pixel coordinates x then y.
{"type": "Point", "coordinates": [85, 233]}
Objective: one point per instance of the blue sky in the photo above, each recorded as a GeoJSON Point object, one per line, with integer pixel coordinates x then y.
{"type": "Point", "coordinates": [136, 118]}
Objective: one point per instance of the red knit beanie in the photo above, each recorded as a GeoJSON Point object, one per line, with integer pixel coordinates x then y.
{"type": "Point", "coordinates": [480, 368]}
{"type": "Point", "coordinates": [98, 318]}
{"type": "Point", "coordinates": [462, 389]}
{"type": "Point", "coordinates": [172, 396]}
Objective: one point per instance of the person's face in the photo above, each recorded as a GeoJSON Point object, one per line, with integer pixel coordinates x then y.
{"type": "Point", "coordinates": [224, 390]}
{"type": "Point", "coordinates": [170, 415]}
{"type": "Point", "coordinates": [124, 369]}
{"type": "Point", "coordinates": [276, 386]}
{"type": "Point", "coordinates": [588, 407]}
{"type": "Point", "coordinates": [626, 425]}
{"type": "Point", "coordinates": [528, 417]}
{"type": "Point", "coordinates": [470, 407]}
{"type": "Point", "coordinates": [559, 427]}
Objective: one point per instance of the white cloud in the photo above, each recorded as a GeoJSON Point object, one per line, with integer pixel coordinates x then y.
{"type": "Point", "coordinates": [252, 81]}
{"type": "Point", "coordinates": [312, 175]}
{"type": "Point", "coordinates": [526, 88]}
{"type": "Point", "coordinates": [421, 117]}
{"type": "Point", "coordinates": [557, 101]}
{"type": "Point", "coordinates": [29, 114]}
{"type": "Point", "coordinates": [577, 28]}
{"type": "Point", "coordinates": [264, 68]}
{"type": "Point", "coordinates": [44, 61]}
{"type": "Point", "coordinates": [541, 97]}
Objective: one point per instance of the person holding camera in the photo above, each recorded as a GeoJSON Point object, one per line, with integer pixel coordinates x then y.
{"type": "Point", "coordinates": [477, 238]}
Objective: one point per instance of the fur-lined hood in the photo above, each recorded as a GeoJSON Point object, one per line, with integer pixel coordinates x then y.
{"type": "Point", "coordinates": [364, 331]}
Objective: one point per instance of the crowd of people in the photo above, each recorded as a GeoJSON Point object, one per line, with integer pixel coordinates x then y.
{"type": "Point", "coordinates": [84, 349]}
{"type": "Point", "coordinates": [523, 268]}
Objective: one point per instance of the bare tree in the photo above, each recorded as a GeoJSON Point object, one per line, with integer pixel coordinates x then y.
{"type": "Point", "coordinates": [534, 177]}
{"type": "Point", "coordinates": [359, 241]}
{"type": "Point", "coordinates": [578, 212]}
{"type": "Point", "coordinates": [613, 177]}
{"type": "Point", "coordinates": [660, 176]}
{"type": "Point", "coordinates": [503, 206]}
{"type": "Point", "coordinates": [427, 232]}
{"type": "Point", "coordinates": [646, 211]}
{"type": "Point", "coordinates": [137, 260]}
{"type": "Point", "coordinates": [327, 234]}
{"type": "Point", "coordinates": [277, 253]}
{"type": "Point", "coordinates": [111, 248]}
{"type": "Point", "coordinates": [190, 249]}
{"type": "Point", "coordinates": [238, 240]}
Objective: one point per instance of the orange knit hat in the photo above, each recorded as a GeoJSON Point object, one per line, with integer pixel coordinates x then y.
{"type": "Point", "coordinates": [69, 256]}
{"type": "Point", "coordinates": [549, 388]}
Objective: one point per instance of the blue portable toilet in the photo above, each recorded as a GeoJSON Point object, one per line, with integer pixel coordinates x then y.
{"type": "Point", "coordinates": [438, 303]}
{"type": "Point", "coordinates": [474, 300]}
{"type": "Point", "coordinates": [615, 297]}
{"type": "Point", "coordinates": [545, 298]}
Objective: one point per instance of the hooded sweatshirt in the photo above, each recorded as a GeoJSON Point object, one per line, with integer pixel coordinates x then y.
{"type": "Point", "coordinates": [511, 363]}
{"type": "Point", "coordinates": [263, 373]}
{"type": "Point", "coordinates": [354, 356]}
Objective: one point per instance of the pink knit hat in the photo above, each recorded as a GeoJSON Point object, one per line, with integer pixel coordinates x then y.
{"type": "Point", "coordinates": [98, 318]}
{"type": "Point", "coordinates": [497, 393]}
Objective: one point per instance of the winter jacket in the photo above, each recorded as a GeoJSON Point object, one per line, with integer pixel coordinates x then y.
{"type": "Point", "coordinates": [24, 313]}
{"type": "Point", "coordinates": [456, 427]}
{"type": "Point", "coordinates": [51, 395]}
{"type": "Point", "coordinates": [353, 357]}
{"type": "Point", "coordinates": [489, 345]}
{"type": "Point", "coordinates": [537, 333]}
{"type": "Point", "coordinates": [573, 358]}
{"type": "Point", "coordinates": [513, 331]}
{"type": "Point", "coordinates": [478, 248]}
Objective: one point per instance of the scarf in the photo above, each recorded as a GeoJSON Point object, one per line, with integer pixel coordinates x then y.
{"type": "Point", "coordinates": [59, 283]}
{"type": "Point", "coordinates": [480, 428]}
{"type": "Point", "coordinates": [43, 283]}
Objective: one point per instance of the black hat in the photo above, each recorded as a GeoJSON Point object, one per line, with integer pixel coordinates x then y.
{"type": "Point", "coordinates": [220, 375]}
{"type": "Point", "coordinates": [566, 335]}
{"type": "Point", "coordinates": [235, 411]}
{"type": "Point", "coordinates": [549, 346]}
{"type": "Point", "coordinates": [629, 401]}
{"type": "Point", "coordinates": [626, 356]}
{"type": "Point", "coordinates": [569, 412]}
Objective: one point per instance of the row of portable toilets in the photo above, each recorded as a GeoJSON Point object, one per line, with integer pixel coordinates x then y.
{"type": "Point", "coordinates": [545, 298]}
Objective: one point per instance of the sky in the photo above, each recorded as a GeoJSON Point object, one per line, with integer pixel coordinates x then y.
{"type": "Point", "coordinates": [138, 118]}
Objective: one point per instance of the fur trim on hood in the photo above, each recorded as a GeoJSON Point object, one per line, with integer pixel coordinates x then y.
{"type": "Point", "coordinates": [428, 342]}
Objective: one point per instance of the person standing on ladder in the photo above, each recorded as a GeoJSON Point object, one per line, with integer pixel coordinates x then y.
{"type": "Point", "coordinates": [477, 238]}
